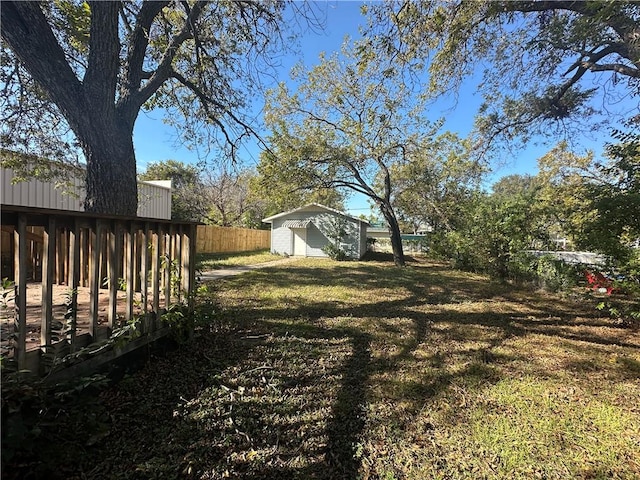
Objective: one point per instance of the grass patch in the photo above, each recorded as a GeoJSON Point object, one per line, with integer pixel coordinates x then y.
{"type": "Point", "coordinates": [216, 261]}
{"type": "Point", "coordinates": [326, 370]}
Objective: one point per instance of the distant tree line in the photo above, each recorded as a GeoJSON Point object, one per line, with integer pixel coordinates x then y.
{"type": "Point", "coordinates": [231, 196]}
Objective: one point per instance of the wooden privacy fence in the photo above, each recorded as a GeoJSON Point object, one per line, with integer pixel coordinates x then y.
{"type": "Point", "coordinates": [78, 278]}
{"type": "Point", "coordinates": [212, 239]}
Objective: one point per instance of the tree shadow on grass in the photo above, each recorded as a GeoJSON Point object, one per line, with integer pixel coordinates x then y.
{"type": "Point", "coordinates": [286, 393]}
{"type": "Point", "coordinates": [349, 411]}
{"type": "Point", "coordinates": [142, 433]}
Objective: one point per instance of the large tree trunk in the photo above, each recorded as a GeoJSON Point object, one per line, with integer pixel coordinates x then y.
{"type": "Point", "coordinates": [111, 183]}
{"type": "Point", "coordinates": [394, 230]}
{"type": "Point", "coordinates": [104, 133]}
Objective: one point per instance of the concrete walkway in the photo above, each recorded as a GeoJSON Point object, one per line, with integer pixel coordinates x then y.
{"type": "Point", "coordinates": [232, 271]}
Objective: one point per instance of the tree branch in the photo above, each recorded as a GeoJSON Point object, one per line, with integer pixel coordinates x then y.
{"type": "Point", "coordinates": [613, 67]}
{"type": "Point", "coordinates": [206, 101]}
{"type": "Point", "coordinates": [164, 71]}
{"type": "Point", "coordinates": [101, 76]}
{"type": "Point", "coordinates": [627, 28]}
{"type": "Point", "coordinates": [591, 62]}
{"type": "Point", "coordinates": [28, 34]}
{"type": "Point", "coordinates": [138, 45]}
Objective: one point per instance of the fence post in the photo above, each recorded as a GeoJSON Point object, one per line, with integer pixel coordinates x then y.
{"type": "Point", "coordinates": [144, 280]}
{"type": "Point", "coordinates": [20, 280]}
{"type": "Point", "coordinates": [73, 281]}
{"type": "Point", "coordinates": [48, 270]}
{"type": "Point", "coordinates": [94, 277]}
{"type": "Point", "coordinates": [155, 277]}
{"type": "Point", "coordinates": [179, 236]}
{"type": "Point", "coordinates": [130, 235]}
{"type": "Point", "coordinates": [168, 247]}
{"type": "Point", "coordinates": [113, 248]}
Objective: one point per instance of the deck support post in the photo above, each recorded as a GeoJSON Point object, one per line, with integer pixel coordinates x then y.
{"type": "Point", "coordinates": [20, 281]}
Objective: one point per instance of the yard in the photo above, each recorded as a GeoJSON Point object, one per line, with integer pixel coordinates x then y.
{"type": "Point", "coordinates": [216, 261]}
{"type": "Point", "coordinates": [362, 370]}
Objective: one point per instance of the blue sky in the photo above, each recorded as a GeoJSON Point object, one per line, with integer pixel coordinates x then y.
{"type": "Point", "coordinates": [155, 141]}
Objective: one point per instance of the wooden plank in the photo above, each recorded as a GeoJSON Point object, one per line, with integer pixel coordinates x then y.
{"type": "Point", "coordinates": [31, 236]}
{"type": "Point", "coordinates": [48, 270]}
{"type": "Point", "coordinates": [193, 236]}
{"type": "Point", "coordinates": [84, 257]}
{"type": "Point", "coordinates": [93, 363]}
{"type": "Point", "coordinates": [167, 268]}
{"type": "Point", "coordinates": [213, 239]}
{"type": "Point", "coordinates": [94, 275]}
{"type": "Point", "coordinates": [178, 260]}
{"type": "Point", "coordinates": [137, 262]}
{"type": "Point", "coordinates": [104, 258]}
{"type": "Point", "coordinates": [184, 262]}
{"type": "Point", "coordinates": [73, 282]}
{"type": "Point", "coordinates": [113, 244]}
{"type": "Point", "coordinates": [32, 252]}
{"type": "Point", "coordinates": [144, 280]}
{"type": "Point", "coordinates": [155, 267]}
{"type": "Point", "coordinates": [38, 269]}
{"type": "Point", "coordinates": [63, 251]}
{"type": "Point", "coordinates": [130, 240]}
{"type": "Point", "coordinates": [20, 280]}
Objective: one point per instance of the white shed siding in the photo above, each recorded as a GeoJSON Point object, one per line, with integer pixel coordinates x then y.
{"type": "Point", "coordinates": [281, 239]}
{"type": "Point", "coordinates": [315, 241]}
{"type": "Point", "coordinates": [154, 200]}
{"type": "Point", "coordinates": [37, 194]}
{"type": "Point", "coordinates": [363, 238]}
{"type": "Point", "coordinates": [321, 224]}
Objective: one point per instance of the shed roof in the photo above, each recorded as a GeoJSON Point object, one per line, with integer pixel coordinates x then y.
{"type": "Point", "coordinates": [305, 207]}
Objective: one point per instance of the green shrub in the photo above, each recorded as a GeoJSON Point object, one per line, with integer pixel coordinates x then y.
{"type": "Point", "coordinates": [184, 321]}
{"type": "Point", "coordinates": [545, 272]}
{"type": "Point", "coordinates": [334, 252]}
{"type": "Point", "coordinates": [555, 275]}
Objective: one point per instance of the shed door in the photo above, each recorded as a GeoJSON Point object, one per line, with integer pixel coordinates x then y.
{"type": "Point", "coordinates": [299, 241]}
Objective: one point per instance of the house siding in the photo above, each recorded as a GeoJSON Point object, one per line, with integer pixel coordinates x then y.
{"type": "Point", "coordinates": [363, 239]}
{"type": "Point", "coordinates": [154, 199]}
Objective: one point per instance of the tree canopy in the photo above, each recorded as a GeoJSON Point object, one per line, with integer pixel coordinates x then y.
{"type": "Point", "coordinates": [231, 198]}
{"type": "Point", "coordinates": [542, 60]}
{"type": "Point", "coordinates": [440, 176]}
{"type": "Point", "coordinates": [77, 74]}
{"type": "Point", "coordinates": [187, 188]}
{"type": "Point", "coordinates": [282, 188]}
{"type": "Point", "coordinates": [349, 121]}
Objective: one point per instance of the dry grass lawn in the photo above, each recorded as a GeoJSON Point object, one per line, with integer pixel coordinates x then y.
{"type": "Point", "coordinates": [361, 370]}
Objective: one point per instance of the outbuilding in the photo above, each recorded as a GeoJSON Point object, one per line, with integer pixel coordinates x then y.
{"type": "Point", "coordinates": [305, 231]}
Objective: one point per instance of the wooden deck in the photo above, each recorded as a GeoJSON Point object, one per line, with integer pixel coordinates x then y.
{"type": "Point", "coordinates": [52, 253]}
{"type": "Point", "coordinates": [60, 298]}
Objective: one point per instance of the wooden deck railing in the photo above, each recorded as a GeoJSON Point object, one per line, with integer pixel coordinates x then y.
{"type": "Point", "coordinates": [138, 267]}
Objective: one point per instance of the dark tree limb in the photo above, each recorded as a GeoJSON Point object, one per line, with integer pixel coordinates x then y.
{"type": "Point", "coordinates": [101, 75]}
{"type": "Point", "coordinates": [28, 34]}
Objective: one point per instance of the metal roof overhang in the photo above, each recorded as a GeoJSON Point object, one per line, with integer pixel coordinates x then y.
{"type": "Point", "coordinates": [296, 223]}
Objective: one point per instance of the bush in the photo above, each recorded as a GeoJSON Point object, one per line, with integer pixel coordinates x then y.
{"type": "Point", "coordinates": [545, 272]}
{"type": "Point", "coordinates": [556, 275]}
{"type": "Point", "coordinates": [334, 252]}
{"type": "Point", "coordinates": [184, 321]}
